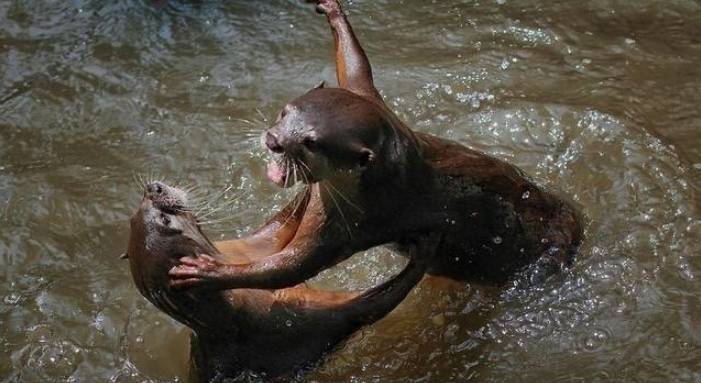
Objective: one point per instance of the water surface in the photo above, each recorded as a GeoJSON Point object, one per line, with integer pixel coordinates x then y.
{"type": "Point", "coordinates": [597, 99]}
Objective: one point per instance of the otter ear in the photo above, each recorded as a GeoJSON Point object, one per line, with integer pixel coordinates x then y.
{"type": "Point", "coordinates": [320, 85]}
{"type": "Point", "coordinates": [366, 157]}
{"type": "Point", "coordinates": [124, 256]}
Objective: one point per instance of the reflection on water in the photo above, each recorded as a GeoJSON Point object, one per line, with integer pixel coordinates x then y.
{"type": "Point", "coordinates": [600, 100]}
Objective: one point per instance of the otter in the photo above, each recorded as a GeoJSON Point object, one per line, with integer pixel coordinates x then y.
{"type": "Point", "coordinates": [268, 332]}
{"type": "Point", "coordinates": [371, 180]}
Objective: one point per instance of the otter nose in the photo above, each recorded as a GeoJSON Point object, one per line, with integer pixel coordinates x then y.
{"type": "Point", "coordinates": [272, 142]}
{"type": "Point", "coordinates": [155, 188]}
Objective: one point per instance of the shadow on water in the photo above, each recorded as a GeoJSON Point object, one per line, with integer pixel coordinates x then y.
{"type": "Point", "coordinates": [598, 99]}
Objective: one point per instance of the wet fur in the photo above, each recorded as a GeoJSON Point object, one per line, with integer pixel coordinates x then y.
{"type": "Point", "coordinates": [268, 332]}
{"type": "Point", "coordinates": [491, 220]}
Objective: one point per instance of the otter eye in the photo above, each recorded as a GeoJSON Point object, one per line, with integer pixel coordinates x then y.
{"type": "Point", "coordinates": [165, 219]}
{"type": "Point", "coordinates": [284, 111]}
{"type": "Point", "coordinates": [310, 143]}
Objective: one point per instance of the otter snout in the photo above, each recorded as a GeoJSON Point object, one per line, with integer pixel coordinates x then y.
{"type": "Point", "coordinates": [154, 189]}
{"type": "Point", "coordinates": [164, 196]}
{"type": "Point", "coordinates": [273, 143]}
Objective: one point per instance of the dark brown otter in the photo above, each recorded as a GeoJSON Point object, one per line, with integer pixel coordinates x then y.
{"type": "Point", "coordinates": [270, 332]}
{"type": "Point", "coordinates": [371, 180]}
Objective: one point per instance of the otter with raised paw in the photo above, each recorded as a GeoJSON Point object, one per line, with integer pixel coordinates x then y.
{"type": "Point", "coordinates": [370, 180]}
{"type": "Point", "coordinates": [268, 332]}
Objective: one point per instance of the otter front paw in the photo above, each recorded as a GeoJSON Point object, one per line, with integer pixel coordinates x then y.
{"type": "Point", "coordinates": [202, 272]}
{"type": "Point", "coordinates": [327, 7]}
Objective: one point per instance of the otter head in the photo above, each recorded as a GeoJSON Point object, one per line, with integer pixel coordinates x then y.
{"type": "Point", "coordinates": [324, 134]}
{"type": "Point", "coordinates": [163, 229]}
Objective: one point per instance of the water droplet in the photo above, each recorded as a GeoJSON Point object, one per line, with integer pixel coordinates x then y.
{"type": "Point", "coordinates": [595, 340]}
{"type": "Point", "coordinates": [497, 240]}
{"type": "Point", "coordinates": [526, 195]}
{"type": "Point", "coordinates": [12, 299]}
{"type": "Point", "coordinates": [505, 64]}
{"type": "Point", "coordinates": [288, 323]}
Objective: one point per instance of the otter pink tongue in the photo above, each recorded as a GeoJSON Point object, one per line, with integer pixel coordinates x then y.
{"type": "Point", "coordinates": [275, 173]}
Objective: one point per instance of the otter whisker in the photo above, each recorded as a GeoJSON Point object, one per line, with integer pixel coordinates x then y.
{"type": "Point", "coordinates": [223, 207]}
{"type": "Point", "coordinates": [294, 170]}
{"type": "Point", "coordinates": [245, 121]}
{"type": "Point", "coordinates": [262, 115]}
{"type": "Point", "coordinates": [287, 170]}
{"type": "Point", "coordinates": [344, 197]}
{"type": "Point", "coordinates": [210, 205]}
{"type": "Point", "coordinates": [226, 204]}
{"type": "Point", "coordinates": [216, 220]}
{"type": "Point", "coordinates": [307, 171]}
{"type": "Point", "coordinates": [298, 202]}
{"type": "Point", "coordinates": [135, 182]}
{"type": "Point", "coordinates": [340, 211]}
{"type": "Point", "coordinates": [211, 200]}
{"type": "Point", "coordinates": [141, 180]}
{"type": "Point", "coordinates": [216, 209]}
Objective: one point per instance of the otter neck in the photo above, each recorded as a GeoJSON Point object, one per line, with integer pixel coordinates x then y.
{"type": "Point", "coordinates": [151, 259]}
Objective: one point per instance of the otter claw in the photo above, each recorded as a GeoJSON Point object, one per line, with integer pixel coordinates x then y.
{"type": "Point", "coordinates": [200, 271]}
{"type": "Point", "coordinates": [184, 277]}
{"type": "Point", "coordinates": [202, 261]}
{"type": "Point", "coordinates": [190, 261]}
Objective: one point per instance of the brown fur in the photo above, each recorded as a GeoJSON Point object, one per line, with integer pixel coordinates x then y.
{"type": "Point", "coordinates": [270, 332]}
{"type": "Point", "coordinates": [372, 181]}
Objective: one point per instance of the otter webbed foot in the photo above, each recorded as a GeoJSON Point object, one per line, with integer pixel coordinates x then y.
{"type": "Point", "coordinates": [202, 272]}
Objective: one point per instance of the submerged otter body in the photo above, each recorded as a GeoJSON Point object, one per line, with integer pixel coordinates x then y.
{"type": "Point", "coordinates": [269, 332]}
{"type": "Point", "coordinates": [373, 181]}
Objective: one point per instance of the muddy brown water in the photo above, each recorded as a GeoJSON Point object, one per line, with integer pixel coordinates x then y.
{"type": "Point", "coordinates": [599, 99]}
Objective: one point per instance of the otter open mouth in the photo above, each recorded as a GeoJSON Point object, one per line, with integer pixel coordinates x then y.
{"type": "Point", "coordinates": [285, 172]}
{"type": "Point", "coordinates": [277, 173]}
